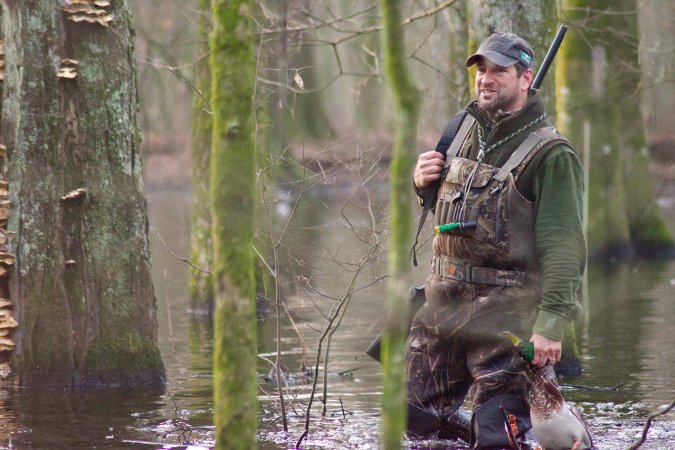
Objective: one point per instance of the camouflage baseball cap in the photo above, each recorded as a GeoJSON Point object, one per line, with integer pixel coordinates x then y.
{"type": "Point", "coordinates": [504, 49]}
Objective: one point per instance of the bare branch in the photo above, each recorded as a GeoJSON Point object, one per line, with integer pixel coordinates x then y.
{"type": "Point", "coordinates": [637, 444]}
{"type": "Point", "coordinates": [185, 260]}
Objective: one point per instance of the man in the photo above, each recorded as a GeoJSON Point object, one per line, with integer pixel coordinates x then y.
{"type": "Point", "coordinates": [515, 264]}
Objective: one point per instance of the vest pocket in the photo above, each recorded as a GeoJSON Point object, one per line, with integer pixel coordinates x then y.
{"type": "Point", "coordinates": [475, 205]}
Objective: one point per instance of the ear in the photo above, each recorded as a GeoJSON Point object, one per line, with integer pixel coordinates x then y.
{"type": "Point", "coordinates": [526, 80]}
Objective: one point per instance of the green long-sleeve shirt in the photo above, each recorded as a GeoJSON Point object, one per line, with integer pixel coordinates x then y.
{"type": "Point", "coordinates": [554, 181]}
{"type": "Point", "coordinates": [558, 193]}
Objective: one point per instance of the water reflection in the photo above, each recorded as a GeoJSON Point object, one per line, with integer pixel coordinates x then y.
{"type": "Point", "coordinates": [57, 419]}
{"type": "Point", "coordinates": [629, 335]}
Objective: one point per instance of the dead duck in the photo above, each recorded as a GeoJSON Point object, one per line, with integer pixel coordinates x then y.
{"type": "Point", "coordinates": [556, 424]}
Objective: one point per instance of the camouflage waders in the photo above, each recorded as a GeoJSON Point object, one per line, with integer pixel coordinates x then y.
{"type": "Point", "coordinates": [483, 281]}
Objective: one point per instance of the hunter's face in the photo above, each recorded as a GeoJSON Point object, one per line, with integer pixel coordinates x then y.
{"type": "Point", "coordinates": [500, 88]}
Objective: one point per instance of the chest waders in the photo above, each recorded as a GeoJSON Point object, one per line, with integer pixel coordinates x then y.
{"type": "Point", "coordinates": [485, 278]}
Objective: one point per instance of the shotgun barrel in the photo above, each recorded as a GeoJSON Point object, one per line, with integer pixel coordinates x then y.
{"type": "Point", "coordinates": [550, 56]}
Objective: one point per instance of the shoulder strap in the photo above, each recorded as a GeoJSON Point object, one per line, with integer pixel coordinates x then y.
{"type": "Point", "coordinates": [451, 131]}
{"type": "Point", "coordinates": [532, 144]}
{"type": "Point", "coordinates": [460, 137]}
{"type": "Point", "coordinates": [447, 144]}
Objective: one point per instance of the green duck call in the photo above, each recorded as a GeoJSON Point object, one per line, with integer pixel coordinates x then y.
{"type": "Point", "coordinates": [455, 226]}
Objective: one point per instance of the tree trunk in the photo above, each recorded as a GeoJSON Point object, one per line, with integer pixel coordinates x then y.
{"type": "Point", "coordinates": [657, 62]}
{"type": "Point", "coordinates": [83, 292]}
{"type": "Point", "coordinates": [7, 321]}
{"type": "Point", "coordinates": [597, 77]}
{"type": "Point", "coordinates": [201, 245]}
{"type": "Point", "coordinates": [406, 98]}
{"type": "Point", "coordinates": [232, 65]}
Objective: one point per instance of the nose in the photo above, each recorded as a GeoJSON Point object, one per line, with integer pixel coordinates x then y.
{"type": "Point", "coordinates": [487, 77]}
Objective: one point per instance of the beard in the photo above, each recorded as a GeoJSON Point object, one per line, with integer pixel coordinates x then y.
{"type": "Point", "coordinates": [499, 99]}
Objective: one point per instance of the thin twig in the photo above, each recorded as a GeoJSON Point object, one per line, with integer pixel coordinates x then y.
{"type": "Point", "coordinates": [161, 239]}
{"type": "Point", "coordinates": [277, 303]}
{"type": "Point", "coordinates": [637, 444]}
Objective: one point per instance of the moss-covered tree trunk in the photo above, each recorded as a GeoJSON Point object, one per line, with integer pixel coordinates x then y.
{"type": "Point", "coordinates": [201, 244]}
{"type": "Point", "coordinates": [597, 78]}
{"type": "Point", "coordinates": [406, 98]}
{"type": "Point", "coordinates": [84, 297]}
{"type": "Point", "coordinates": [232, 65]}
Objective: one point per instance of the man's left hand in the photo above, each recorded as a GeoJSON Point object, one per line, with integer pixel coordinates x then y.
{"type": "Point", "coordinates": [546, 351]}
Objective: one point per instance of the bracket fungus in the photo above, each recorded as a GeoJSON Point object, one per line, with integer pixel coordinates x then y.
{"type": "Point", "coordinates": [90, 11]}
{"type": "Point", "coordinates": [2, 60]}
{"type": "Point", "coordinates": [6, 260]}
{"type": "Point", "coordinates": [5, 239]}
{"type": "Point", "coordinates": [7, 323]}
{"type": "Point", "coordinates": [74, 194]}
{"type": "Point", "coordinates": [68, 68]}
{"type": "Point", "coordinates": [5, 204]}
{"type": "Point", "coordinates": [4, 212]}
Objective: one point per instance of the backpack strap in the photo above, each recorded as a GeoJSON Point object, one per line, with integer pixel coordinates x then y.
{"type": "Point", "coordinates": [455, 134]}
{"type": "Point", "coordinates": [449, 145]}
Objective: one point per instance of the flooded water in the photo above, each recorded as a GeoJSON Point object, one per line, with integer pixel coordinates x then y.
{"type": "Point", "coordinates": [627, 340]}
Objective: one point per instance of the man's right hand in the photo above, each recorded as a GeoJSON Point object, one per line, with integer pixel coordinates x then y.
{"type": "Point", "coordinates": [429, 167]}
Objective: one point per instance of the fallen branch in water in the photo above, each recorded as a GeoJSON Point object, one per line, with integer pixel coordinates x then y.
{"type": "Point", "coordinates": [637, 444]}
{"type": "Point", "coordinates": [580, 387]}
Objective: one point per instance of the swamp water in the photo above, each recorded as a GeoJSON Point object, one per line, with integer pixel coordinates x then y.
{"type": "Point", "coordinates": [628, 339]}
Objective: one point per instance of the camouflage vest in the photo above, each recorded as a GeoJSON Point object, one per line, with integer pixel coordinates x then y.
{"type": "Point", "coordinates": [501, 248]}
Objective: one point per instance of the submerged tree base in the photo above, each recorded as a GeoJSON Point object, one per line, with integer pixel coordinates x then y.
{"type": "Point", "coordinates": [626, 252]}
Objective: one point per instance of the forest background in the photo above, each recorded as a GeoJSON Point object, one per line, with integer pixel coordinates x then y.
{"type": "Point", "coordinates": [611, 93]}
{"type": "Point", "coordinates": [341, 97]}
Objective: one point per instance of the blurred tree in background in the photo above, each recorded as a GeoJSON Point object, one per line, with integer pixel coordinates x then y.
{"type": "Point", "coordinates": [598, 83]}
{"type": "Point", "coordinates": [201, 242]}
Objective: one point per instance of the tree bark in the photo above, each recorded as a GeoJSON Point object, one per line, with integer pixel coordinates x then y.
{"type": "Point", "coordinates": [233, 166]}
{"type": "Point", "coordinates": [597, 78]}
{"type": "Point", "coordinates": [406, 100]}
{"type": "Point", "coordinates": [201, 245]}
{"type": "Point", "coordinates": [84, 297]}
